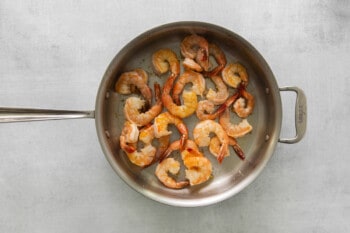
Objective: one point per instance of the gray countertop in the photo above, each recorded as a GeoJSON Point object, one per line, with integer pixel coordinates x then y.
{"type": "Point", "coordinates": [54, 176]}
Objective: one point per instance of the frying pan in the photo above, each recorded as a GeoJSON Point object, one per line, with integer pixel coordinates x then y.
{"type": "Point", "coordinates": [233, 174]}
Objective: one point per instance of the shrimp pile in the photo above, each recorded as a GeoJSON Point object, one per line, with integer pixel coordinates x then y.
{"type": "Point", "coordinates": [146, 136]}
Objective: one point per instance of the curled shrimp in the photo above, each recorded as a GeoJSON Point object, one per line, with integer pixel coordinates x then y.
{"type": "Point", "coordinates": [199, 169]}
{"type": "Point", "coordinates": [197, 80]}
{"type": "Point", "coordinates": [214, 147]}
{"type": "Point", "coordinates": [164, 59]}
{"type": "Point", "coordinates": [234, 74]}
{"type": "Point", "coordinates": [161, 123]}
{"type": "Point", "coordinates": [146, 155]}
{"type": "Point", "coordinates": [128, 80]}
{"type": "Point", "coordinates": [189, 100]}
{"type": "Point", "coordinates": [169, 165]}
{"type": "Point", "coordinates": [190, 64]}
{"type": "Point", "coordinates": [206, 108]}
{"type": "Point", "coordinates": [244, 106]}
{"type": "Point", "coordinates": [129, 135]}
{"type": "Point", "coordinates": [133, 105]}
{"type": "Point", "coordinates": [201, 134]}
{"type": "Point", "coordinates": [221, 95]}
{"type": "Point", "coordinates": [234, 130]}
{"type": "Point", "coordinates": [220, 59]}
{"type": "Point", "coordinates": [196, 47]}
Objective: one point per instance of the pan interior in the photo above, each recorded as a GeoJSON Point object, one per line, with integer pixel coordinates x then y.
{"type": "Point", "coordinates": [233, 174]}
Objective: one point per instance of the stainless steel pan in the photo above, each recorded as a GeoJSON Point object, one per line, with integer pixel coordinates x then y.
{"type": "Point", "coordinates": [230, 177]}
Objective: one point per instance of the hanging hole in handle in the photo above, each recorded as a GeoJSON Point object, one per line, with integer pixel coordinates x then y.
{"type": "Point", "coordinates": [288, 99]}
{"type": "Point", "coordinates": [300, 114]}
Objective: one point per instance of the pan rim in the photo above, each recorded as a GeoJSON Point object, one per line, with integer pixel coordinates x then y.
{"type": "Point", "coordinates": [273, 137]}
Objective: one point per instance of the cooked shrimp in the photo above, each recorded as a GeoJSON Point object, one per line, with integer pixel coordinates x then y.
{"type": "Point", "coordinates": [196, 47]}
{"type": "Point", "coordinates": [189, 100]}
{"type": "Point", "coordinates": [234, 130]}
{"type": "Point", "coordinates": [133, 105]}
{"type": "Point", "coordinates": [190, 149]}
{"type": "Point", "coordinates": [146, 155]}
{"type": "Point", "coordinates": [161, 123]}
{"type": "Point", "coordinates": [147, 135]}
{"type": "Point", "coordinates": [201, 134]}
{"type": "Point", "coordinates": [190, 64]}
{"type": "Point", "coordinates": [206, 109]}
{"type": "Point", "coordinates": [234, 74]}
{"type": "Point", "coordinates": [221, 95]}
{"type": "Point", "coordinates": [164, 59]}
{"type": "Point", "coordinates": [220, 59]}
{"type": "Point", "coordinates": [198, 170]}
{"type": "Point", "coordinates": [214, 147]}
{"type": "Point", "coordinates": [169, 165]}
{"type": "Point", "coordinates": [133, 78]}
{"type": "Point", "coordinates": [142, 158]}
{"type": "Point", "coordinates": [244, 106]}
{"type": "Point", "coordinates": [197, 80]}
{"type": "Point", "coordinates": [130, 134]}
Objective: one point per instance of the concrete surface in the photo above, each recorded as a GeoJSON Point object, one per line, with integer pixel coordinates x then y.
{"type": "Point", "coordinates": [53, 175]}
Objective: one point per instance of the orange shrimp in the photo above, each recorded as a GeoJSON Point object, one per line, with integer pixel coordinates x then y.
{"type": "Point", "coordinates": [134, 78]}
{"type": "Point", "coordinates": [221, 95]}
{"type": "Point", "coordinates": [201, 134]}
{"type": "Point", "coordinates": [196, 47]}
{"type": "Point", "coordinates": [161, 123]}
{"type": "Point", "coordinates": [234, 74]}
{"type": "Point", "coordinates": [215, 144]}
{"type": "Point", "coordinates": [220, 59]}
{"type": "Point", "coordinates": [244, 106]}
{"type": "Point", "coordinates": [134, 104]}
{"type": "Point", "coordinates": [234, 130]}
{"type": "Point", "coordinates": [164, 59]}
{"type": "Point", "coordinates": [129, 135]}
{"type": "Point", "coordinates": [197, 80]}
{"type": "Point", "coordinates": [169, 165]}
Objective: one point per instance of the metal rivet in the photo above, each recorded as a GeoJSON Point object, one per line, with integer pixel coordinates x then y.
{"type": "Point", "coordinates": [107, 133]}
{"type": "Point", "coordinates": [107, 94]}
{"type": "Point", "coordinates": [267, 90]}
{"type": "Point", "coordinates": [267, 137]}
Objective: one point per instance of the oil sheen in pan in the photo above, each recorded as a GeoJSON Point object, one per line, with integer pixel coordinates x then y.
{"type": "Point", "coordinates": [231, 165]}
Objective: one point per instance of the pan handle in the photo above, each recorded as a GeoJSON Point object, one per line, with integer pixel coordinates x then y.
{"type": "Point", "coordinates": [300, 115]}
{"type": "Point", "coordinates": [32, 114]}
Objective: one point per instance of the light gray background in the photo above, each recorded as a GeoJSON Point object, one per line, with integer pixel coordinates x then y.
{"type": "Point", "coordinates": [53, 175]}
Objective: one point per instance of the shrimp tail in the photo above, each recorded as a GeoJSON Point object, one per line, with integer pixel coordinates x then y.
{"type": "Point", "coordinates": [183, 140]}
{"type": "Point", "coordinates": [238, 150]}
{"type": "Point", "coordinates": [223, 151]}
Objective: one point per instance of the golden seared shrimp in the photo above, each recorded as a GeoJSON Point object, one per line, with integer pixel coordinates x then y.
{"type": "Point", "coordinates": [161, 123]}
{"type": "Point", "coordinates": [146, 155]}
{"type": "Point", "coordinates": [133, 105]}
{"type": "Point", "coordinates": [143, 158]}
{"type": "Point", "coordinates": [127, 80]}
{"type": "Point", "coordinates": [234, 74]}
{"type": "Point", "coordinates": [220, 59]}
{"type": "Point", "coordinates": [196, 47]}
{"type": "Point", "coordinates": [190, 149]}
{"type": "Point", "coordinates": [201, 133]}
{"type": "Point", "coordinates": [190, 64]}
{"type": "Point", "coordinates": [198, 170]}
{"type": "Point", "coordinates": [220, 96]}
{"type": "Point", "coordinates": [214, 147]}
{"type": "Point", "coordinates": [169, 165]}
{"type": "Point", "coordinates": [244, 106]}
{"type": "Point", "coordinates": [164, 59]}
{"type": "Point", "coordinates": [197, 80]}
{"type": "Point", "coordinates": [234, 130]}
{"type": "Point", "coordinates": [129, 135]}
{"type": "Point", "coordinates": [189, 100]}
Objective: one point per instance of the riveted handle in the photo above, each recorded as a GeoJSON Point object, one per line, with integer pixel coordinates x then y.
{"type": "Point", "coordinates": [300, 115]}
{"type": "Point", "coordinates": [8, 115]}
